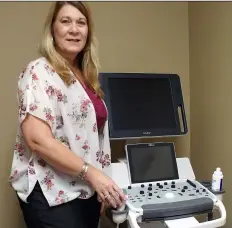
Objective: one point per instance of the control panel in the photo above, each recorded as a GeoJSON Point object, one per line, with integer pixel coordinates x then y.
{"type": "Point", "coordinates": [169, 199]}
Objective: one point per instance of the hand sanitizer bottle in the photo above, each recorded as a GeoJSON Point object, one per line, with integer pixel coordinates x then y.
{"type": "Point", "coordinates": [217, 180]}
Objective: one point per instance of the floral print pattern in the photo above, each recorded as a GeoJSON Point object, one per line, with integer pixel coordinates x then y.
{"type": "Point", "coordinates": [70, 114]}
{"type": "Point", "coordinates": [49, 70]}
{"type": "Point", "coordinates": [61, 97]}
{"type": "Point", "coordinates": [48, 180]}
{"type": "Point", "coordinates": [59, 122]}
{"type": "Point", "coordinates": [48, 114]}
{"type": "Point", "coordinates": [52, 92]}
{"type": "Point", "coordinates": [78, 137]}
{"type": "Point", "coordinates": [64, 140]}
{"type": "Point", "coordinates": [31, 168]}
{"type": "Point", "coordinates": [95, 127]}
{"type": "Point", "coordinates": [86, 147]}
{"type": "Point", "coordinates": [41, 162]}
{"type": "Point", "coordinates": [33, 107]}
{"type": "Point", "coordinates": [19, 148]}
{"type": "Point", "coordinates": [22, 106]}
{"type": "Point", "coordinates": [103, 159]}
{"type": "Point", "coordinates": [83, 194]}
{"type": "Point", "coordinates": [80, 112]}
{"type": "Point", "coordinates": [73, 183]}
{"type": "Point", "coordinates": [61, 197]}
{"type": "Point", "coordinates": [14, 174]}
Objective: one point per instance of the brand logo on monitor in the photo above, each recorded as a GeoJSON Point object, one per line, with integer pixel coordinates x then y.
{"type": "Point", "coordinates": [146, 133]}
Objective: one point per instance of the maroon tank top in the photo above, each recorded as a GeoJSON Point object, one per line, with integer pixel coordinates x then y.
{"type": "Point", "coordinates": [100, 109]}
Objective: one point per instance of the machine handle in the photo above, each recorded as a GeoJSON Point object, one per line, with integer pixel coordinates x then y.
{"type": "Point", "coordinates": [132, 219]}
{"type": "Point", "coordinates": [208, 224]}
{"type": "Point", "coordinates": [216, 222]}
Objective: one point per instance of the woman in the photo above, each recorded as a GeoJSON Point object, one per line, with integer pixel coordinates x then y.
{"type": "Point", "coordinates": [61, 162]}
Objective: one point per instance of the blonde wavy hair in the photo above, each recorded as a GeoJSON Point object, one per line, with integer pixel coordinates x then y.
{"type": "Point", "coordinates": [87, 59]}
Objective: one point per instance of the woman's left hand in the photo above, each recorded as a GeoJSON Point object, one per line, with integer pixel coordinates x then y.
{"type": "Point", "coordinates": [102, 208]}
{"type": "Point", "coordinates": [103, 205]}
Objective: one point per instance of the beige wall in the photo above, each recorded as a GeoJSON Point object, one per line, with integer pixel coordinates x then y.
{"type": "Point", "coordinates": [20, 25]}
{"type": "Point", "coordinates": [211, 79]}
{"type": "Point", "coordinates": [136, 37]}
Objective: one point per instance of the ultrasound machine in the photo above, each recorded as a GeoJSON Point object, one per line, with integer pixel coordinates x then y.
{"type": "Point", "coordinates": [161, 189]}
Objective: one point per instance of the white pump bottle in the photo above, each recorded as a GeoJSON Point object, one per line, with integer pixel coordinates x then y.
{"type": "Point", "coordinates": [217, 180]}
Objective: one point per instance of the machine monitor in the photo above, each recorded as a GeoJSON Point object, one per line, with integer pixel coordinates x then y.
{"type": "Point", "coordinates": [143, 105]}
{"type": "Point", "coordinates": [148, 162]}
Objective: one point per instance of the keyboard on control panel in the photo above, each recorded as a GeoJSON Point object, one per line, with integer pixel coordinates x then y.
{"type": "Point", "coordinates": [169, 199]}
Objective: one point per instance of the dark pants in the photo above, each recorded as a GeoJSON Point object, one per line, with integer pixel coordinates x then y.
{"type": "Point", "coordinates": [79, 213]}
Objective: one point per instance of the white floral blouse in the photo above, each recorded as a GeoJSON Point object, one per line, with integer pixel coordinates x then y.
{"type": "Point", "coordinates": [72, 118]}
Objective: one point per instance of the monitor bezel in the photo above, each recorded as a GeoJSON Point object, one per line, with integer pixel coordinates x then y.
{"type": "Point", "coordinates": [129, 154]}
{"type": "Point", "coordinates": [177, 101]}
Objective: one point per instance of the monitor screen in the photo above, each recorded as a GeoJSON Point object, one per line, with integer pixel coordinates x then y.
{"type": "Point", "coordinates": [143, 105]}
{"type": "Point", "coordinates": [152, 162]}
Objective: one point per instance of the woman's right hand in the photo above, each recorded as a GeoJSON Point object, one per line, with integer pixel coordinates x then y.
{"type": "Point", "coordinates": [105, 187]}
